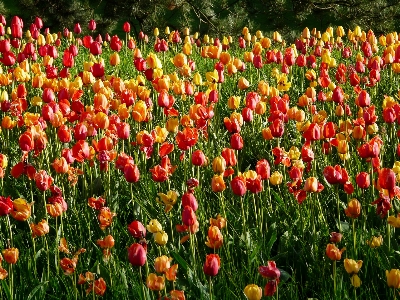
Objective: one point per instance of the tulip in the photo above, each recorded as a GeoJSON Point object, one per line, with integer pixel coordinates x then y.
{"type": "Point", "coordinates": [40, 229]}
{"type": "Point", "coordinates": [107, 242]}
{"type": "Point", "coordinates": [198, 158]}
{"type": "Point", "coordinates": [336, 237]}
{"type": "Point", "coordinates": [11, 255]}
{"type": "Point", "coordinates": [362, 180]}
{"type": "Point", "coordinates": [105, 217]}
{"type": "Point", "coordinates": [270, 271]}
{"type": "Point", "coordinates": [218, 184]}
{"type": "Point", "coordinates": [375, 242]}
{"type": "Point", "coordinates": [137, 230]}
{"type": "Point", "coordinates": [393, 278]}
{"type": "Point", "coordinates": [351, 266]}
{"type": "Point", "coordinates": [394, 221]}
{"type": "Point", "coordinates": [161, 238]}
{"type": "Point", "coordinates": [353, 209]}
{"type": "Point", "coordinates": [137, 255]}
{"type": "Point", "coordinates": [253, 292]}
{"type": "Point", "coordinates": [276, 178]}
{"type": "Point", "coordinates": [333, 252]}
{"type": "Point", "coordinates": [155, 283]}
{"type": "Point", "coordinates": [355, 281]}
{"type": "Point", "coordinates": [22, 210]}
{"type": "Point", "coordinates": [131, 173]}
{"type": "Point", "coordinates": [162, 263]}
{"type": "Point", "coordinates": [126, 27]}
{"type": "Point", "coordinates": [188, 216]}
{"type": "Point", "coordinates": [212, 264]}
{"type": "Point", "coordinates": [154, 226]}
{"type": "Point", "coordinates": [214, 239]}
{"type": "Point", "coordinates": [387, 179]}
{"type": "Point", "coordinates": [238, 185]}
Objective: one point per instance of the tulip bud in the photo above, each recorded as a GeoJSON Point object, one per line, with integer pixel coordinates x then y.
{"type": "Point", "coordinates": [212, 265]}
{"type": "Point", "coordinates": [253, 292]}
{"type": "Point", "coordinates": [137, 255]}
{"type": "Point", "coordinates": [161, 238]}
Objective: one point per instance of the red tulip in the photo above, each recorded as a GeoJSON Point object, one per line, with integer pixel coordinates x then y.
{"type": "Point", "coordinates": [123, 130]}
{"type": "Point", "coordinates": [68, 59]}
{"type": "Point", "coordinates": [338, 95]}
{"type": "Point", "coordinates": [43, 181]}
{"type": "Point", "coordinates": [8, 59]}
{"type": "Point", "coordinates": [6, 205]}
{"type": "Point", "coordinates": [131, 173]}
{"type": "Point", "coordinates": [126, 27]}
{"type": "Point", "coordinates": [229, 156]}
{"type": "Point", "coordinates": [198, 158]}
{"type": "Point", "coordinates": [362, 180]}
{"type": "Point", "coordinates": [387, 179]}
{"type": "Point", "coordinates": [263, 169]}
{"type": "Point", "coordinates": [363, 99]}
{"type": "Point", "coordinates": [270, 271]}
{"type": "Point", "coordinates": [116, 43]}
{"type": "Point", "coordinates": [95, 48]}
{"type": "Point", "coordinates": [389, 115]}
{"type": "Point", "coordinates": [247, 114]}
{"type": "Point", "coordinates": [254, 185]}
{"type": "Point", "coordinates": [277, 128]}
{"type": "Point", "coordinates": [212, 264]}
{"type": "Point", "coordinates": [270, 287]}
{"type": "Point", "coordinates": [92, 25]}
{"type": "Point", "coordinates": [81, 151]}
{"type": "Point", "coordinates": [137, 255]}
{"type": "Point", "coordinates": [137, 230]}
{"type": "Point", "coordinates": [252, 98]}
{"type": "Point", "coordinates": [26, 142]}
{"type": "Point", "coordinates": [313, 132]}
{"type": "Point", "coordinates": [80, 131]}
{"type": "Point", "coordinates": [188, 199]}
{"type": "Point", "coordinates": [236, 141]}
{"type": "Point", "coordinates": [238, 185]}
{"type": "Point", "coordinates": [98, 70]}
{"type": "Point", "coordinates": [188, 216]}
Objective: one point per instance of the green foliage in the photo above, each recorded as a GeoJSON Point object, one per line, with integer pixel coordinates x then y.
{"type": "Point", "coordinates": [211, 17]}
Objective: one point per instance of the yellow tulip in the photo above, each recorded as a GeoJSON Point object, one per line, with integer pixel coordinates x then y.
{"type": "Point", "coordinates": [393, 278]}
{"type": "Point", "coordinates": [253, 292]}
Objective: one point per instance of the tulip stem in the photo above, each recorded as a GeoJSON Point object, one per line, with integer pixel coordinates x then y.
{"type": "Point", "coordinates": [354, 236]}
{"type": "Point", "coordinates": [388, 236]}
{"type": "Point", "coordinates": [243, 215]}
{"type": "Point", "coordinates": [11, 282]}
{"type": "Point", "coordinates": [141, 279]}
{"type": "Point", "coordinates": [9, 228]}
{"type": "Point", "coordinates": [210, 286]}
{"type": "Point", "coordinates": [338, 208]}
{"type": "Point", "coordinates": [334, 278]}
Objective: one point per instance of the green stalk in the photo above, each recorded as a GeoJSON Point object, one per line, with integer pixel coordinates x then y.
{"type": "Point", "coordinates": [210, 286]}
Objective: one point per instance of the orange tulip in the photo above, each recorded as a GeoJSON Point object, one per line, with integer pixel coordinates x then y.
{"type": "Point", "coordinates": [40, 229]}
{"type": "Point", "coordinates": [22, 209]}
{"type": "Point", "coordinates": [155, 283]}
{"type": "Point", "coordinates": [333, 252]}
{"type": "Point", "coordinates": [11, 255]}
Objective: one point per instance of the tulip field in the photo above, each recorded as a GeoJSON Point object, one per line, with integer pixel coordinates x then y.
{"type": "Point", "coordinates": [177, 166]}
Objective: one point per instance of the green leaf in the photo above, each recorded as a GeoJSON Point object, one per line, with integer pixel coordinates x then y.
{"type": "Point", "coordinates": [34, 291]}
{"type": "Point", "coordinates": [6, 289]}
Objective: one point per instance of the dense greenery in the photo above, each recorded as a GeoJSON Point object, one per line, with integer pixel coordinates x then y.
{"type": "Point", "coordinates": [212, 17]}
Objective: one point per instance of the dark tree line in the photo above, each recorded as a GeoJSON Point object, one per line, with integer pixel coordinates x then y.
{"type": "Point", "coordinates": [214, 17]}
